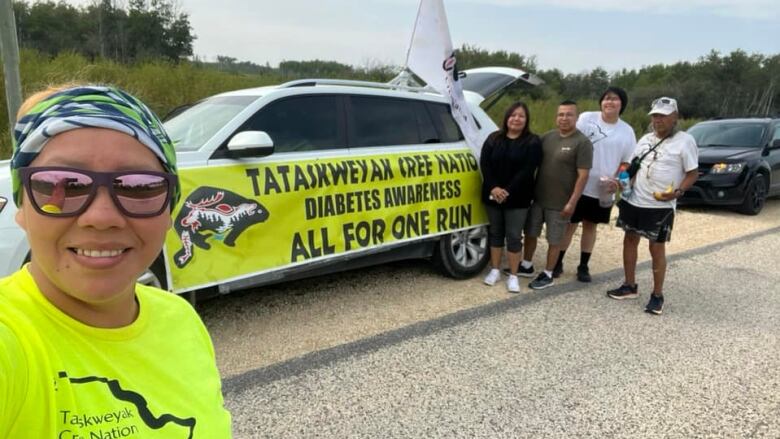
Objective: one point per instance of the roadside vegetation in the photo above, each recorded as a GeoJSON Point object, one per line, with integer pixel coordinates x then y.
{"type": "Point", "coordinates": [146, 48]}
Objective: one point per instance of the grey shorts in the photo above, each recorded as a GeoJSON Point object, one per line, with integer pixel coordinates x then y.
{"type": "Point", "coordinates": [556, 226]}
{"type": "Point", "coordinates": [506, 224]}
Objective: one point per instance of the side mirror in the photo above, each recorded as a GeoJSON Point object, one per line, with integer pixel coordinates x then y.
{"type": "Point", "coordinates": [250, 144]}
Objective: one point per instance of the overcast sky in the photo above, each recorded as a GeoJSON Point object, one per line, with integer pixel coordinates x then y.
{"type": "Point", "coordinates": [571, 35]}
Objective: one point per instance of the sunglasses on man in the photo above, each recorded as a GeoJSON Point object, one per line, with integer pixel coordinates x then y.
{"type": "Point", "coordinates": [66, 192]}
{"type": "Point", "coordinates": [665, 101]}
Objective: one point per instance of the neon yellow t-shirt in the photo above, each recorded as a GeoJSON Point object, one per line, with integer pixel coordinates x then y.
{"type": "Point", "coordinates": [59, 378]}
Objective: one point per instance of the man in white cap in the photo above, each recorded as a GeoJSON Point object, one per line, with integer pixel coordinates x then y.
{"type": "Point", "coordinates": [668, 166]}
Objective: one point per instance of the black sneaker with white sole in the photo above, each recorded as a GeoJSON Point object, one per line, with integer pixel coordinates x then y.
{"type": "Point", "coordinates": [624, 292]}
{"type": "Point", "coordinates": [521, 271]}
{"type": "Point", "coordinates": [525, 272]}
{"type": "Point", "coordinates": [541, 282]}
{"type": "Point", "coordinates": [655, 305]}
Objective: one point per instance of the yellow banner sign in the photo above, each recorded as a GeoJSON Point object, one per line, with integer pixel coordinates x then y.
{"type": "Point", "coordinates": [242, 220]}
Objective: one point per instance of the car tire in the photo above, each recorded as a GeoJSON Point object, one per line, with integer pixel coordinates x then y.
{"type": "Point", "coordinates": [155, 275]}
{"type": "Point", "coordinates": [755, 196]}
{"type": "Point", "coordinates": [463, 254]}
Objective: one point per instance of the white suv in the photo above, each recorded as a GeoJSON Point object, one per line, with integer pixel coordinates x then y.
{"type": "Point", "coordinates": [315, 176]}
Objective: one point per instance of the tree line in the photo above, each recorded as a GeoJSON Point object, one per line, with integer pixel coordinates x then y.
{"type": "Point", "coordinates": [146, 47]}
{"type": "Point", "coordinates": [144, 29]}
{"type": "Point", "coordinates": [715, 85]}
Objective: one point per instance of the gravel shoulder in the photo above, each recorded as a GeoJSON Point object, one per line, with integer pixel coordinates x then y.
{"type": "Point", "coordinates": [259, 328]}
{"type": "Point", "coordinates": [566, 362]}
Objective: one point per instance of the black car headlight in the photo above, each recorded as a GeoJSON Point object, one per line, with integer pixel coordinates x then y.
{"type": "Point", "coordinates": [3, 202]}
{"type": "Point", "coordinates": [727, 168]}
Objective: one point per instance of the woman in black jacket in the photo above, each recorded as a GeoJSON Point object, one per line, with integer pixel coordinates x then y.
{"type": "Point", "coordinates": [509, 161]}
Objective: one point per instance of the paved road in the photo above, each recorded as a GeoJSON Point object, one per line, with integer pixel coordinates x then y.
{"type": "Point", "coordinates": [565, 362]}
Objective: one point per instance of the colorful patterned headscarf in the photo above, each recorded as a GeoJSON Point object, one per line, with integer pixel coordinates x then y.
{"type": "Point", "coordinates": [88, 107]}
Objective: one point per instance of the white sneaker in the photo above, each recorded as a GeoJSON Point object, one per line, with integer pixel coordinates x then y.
{"type": "Point", "coordinates": [512, 284]}
{"type": "Point", "coordinates": [492, 277]}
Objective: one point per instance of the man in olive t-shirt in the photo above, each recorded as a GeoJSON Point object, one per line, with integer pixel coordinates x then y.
{"type": "Point", "coordinates": [567, 156]}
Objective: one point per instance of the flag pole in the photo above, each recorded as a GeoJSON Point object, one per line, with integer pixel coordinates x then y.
{"type": "Point", "coordinates": [9, 48]}
{"type": "Point", "coordinates": [414, 30]}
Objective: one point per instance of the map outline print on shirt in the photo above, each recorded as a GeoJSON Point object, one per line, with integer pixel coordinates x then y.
{"type": "Point", "coordinates": [137, 400]}
{"type": "Point", "coordinates": [592, 134]}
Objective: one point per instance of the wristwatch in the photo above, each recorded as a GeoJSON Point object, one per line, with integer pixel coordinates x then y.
{"type": "Point", "coordinates": [679, 192]}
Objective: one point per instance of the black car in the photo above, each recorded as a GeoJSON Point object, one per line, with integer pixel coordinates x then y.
{"type": "Point", "coordinates": [739, 163]}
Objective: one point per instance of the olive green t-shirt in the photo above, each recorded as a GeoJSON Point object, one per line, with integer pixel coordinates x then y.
{"type": "Point", "coordinates": [561, 157]}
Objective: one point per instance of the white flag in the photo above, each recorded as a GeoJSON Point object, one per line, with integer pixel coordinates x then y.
{"type": "Point", "coordinates": [431, 58]}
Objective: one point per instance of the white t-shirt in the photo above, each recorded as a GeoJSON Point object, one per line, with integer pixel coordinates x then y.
{"type": "Point", "coordinates": [663, 168]}
{"type": "Point", "coordinates": [613, 144]}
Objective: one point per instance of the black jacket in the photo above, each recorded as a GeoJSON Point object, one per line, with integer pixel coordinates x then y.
{"type": "Point", "coordinates": [510, 164]}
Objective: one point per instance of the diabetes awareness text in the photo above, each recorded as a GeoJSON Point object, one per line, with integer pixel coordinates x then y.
{"type": "Point", "coordinates": [426, 186]}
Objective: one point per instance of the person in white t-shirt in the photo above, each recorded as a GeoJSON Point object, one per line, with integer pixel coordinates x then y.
{"type": "Point", "coordinates": [613, 143]}
{"type": "Point", "coordinates": [669, 166]}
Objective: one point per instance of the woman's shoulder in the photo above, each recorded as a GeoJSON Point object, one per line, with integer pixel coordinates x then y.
{"type": "Point", "coordinates": [494, 137]}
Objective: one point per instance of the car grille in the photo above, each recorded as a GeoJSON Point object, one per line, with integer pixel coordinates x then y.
{"type": "Point", "coordinates": [704, 168]}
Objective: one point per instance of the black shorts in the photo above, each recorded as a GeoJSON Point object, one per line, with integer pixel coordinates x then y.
{"type": "Point", "coordinates": [589, 209]}
{"type": "Point", "coordinates": [653, 224]}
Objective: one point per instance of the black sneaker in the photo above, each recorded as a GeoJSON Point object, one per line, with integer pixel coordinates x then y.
{"type": "Point", "coordinates": [583, 273]}
{"type": "Point", "coordinates": [655, 305]}
{"type": "Point", "coordinates": [541, 282]}
{"type": "Point", "coordinates": [522, 272]}
{"type": "Point", "coordinates": [525, 272]}
{"type": "Point", "coordinates": [624, 292]}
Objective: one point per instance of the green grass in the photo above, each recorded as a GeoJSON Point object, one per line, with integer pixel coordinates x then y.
{"type": "Point", "coordinates": [161, 85]}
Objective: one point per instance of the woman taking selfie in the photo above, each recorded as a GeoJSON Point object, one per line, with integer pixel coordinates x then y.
{"type": "Point", "coordinates": [84, 350]}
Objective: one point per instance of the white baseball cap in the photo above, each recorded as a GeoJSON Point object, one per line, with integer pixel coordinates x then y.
{"type": "Point", "coordinates": [664, 105]}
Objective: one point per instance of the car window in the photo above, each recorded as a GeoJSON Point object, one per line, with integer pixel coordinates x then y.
{"type": "Point", "coordinates": [428, 133]}
{"type": "Point", "coordinates": [445, 124]}
{"type": "Point", "coordinates": [300, 123]}
{"type": "Point", "coordinates": [380, 121]}
{"type": "Point", "coordinates": [486, 83]}
{"type": "Point", "coordinates": [739, 134]}
{"type": "Point", "coordinates": [777, 133]}
{"type": "Point", "coordinates": [191, 127]}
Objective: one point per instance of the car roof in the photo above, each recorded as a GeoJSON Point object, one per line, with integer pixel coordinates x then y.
{"type": "Point", "coordinates": [339, 87]}
{"type": "Point", "coordinates": [740, 119]}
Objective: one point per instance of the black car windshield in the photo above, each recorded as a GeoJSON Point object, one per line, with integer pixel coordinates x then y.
{"type": "Point", "coordinates": [734, 134]}
{"type": "Point", "coordinates": [191, 127]}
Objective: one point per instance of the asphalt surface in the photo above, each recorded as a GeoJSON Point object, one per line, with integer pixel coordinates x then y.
{"type": "Point", "coordinates": [564, 362]}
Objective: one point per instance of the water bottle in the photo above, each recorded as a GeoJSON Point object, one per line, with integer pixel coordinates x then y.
{"type": "Point", "coordinates": [625, 185]}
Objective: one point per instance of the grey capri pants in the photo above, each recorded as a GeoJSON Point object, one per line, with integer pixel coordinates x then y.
{"type": "Point", "coordinates": [506, 224]}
